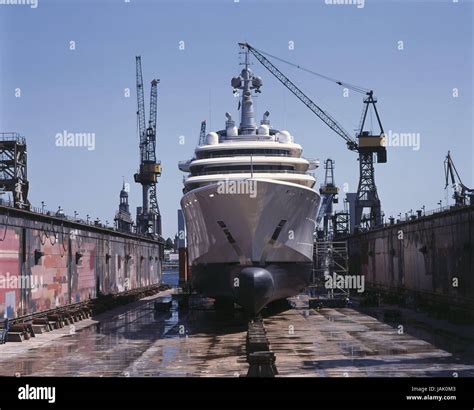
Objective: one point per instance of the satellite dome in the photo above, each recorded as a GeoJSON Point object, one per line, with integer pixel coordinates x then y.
{"type": "Point", "coordinates": [212, 138]}
{"type": "Point", "coordinates": [263, 129]}
{"type": "Point", "coordinates": [284, 137]}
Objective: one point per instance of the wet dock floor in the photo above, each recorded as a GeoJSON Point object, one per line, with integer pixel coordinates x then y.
{"type": "Point", "coordinates": [134, 340]}
{"type": "Point", "coordinates": [343, 342]}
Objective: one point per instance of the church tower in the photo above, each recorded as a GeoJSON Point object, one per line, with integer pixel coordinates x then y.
{"type": "Point", "coordinates": [123, 218]}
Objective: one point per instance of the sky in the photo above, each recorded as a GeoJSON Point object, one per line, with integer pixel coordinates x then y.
{"type": "Point", "coordinates": [69, 66]}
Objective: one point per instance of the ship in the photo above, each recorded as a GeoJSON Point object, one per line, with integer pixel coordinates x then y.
{"type": "Point", "coordinates": [249, 208]}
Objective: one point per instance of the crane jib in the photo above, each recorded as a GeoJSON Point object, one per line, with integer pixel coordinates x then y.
{"type": "Point", "coordinates": [367, 145]}
{"type": "Point", "coordinates": [325, 117]}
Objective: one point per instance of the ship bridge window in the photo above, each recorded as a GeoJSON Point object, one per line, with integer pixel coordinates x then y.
{"type": "Point", "coordinates": [242, 152]}
{"type": "Point", "coordinates": [226, 169]}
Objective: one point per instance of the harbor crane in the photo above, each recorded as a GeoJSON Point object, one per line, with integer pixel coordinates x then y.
{"type": "Point", "coordinates": [366, 145]}
{"type": "Point", "coordinates": [462, 194]}
{"type": "Point", "coordinates": [329, 196]}
{"type": "Point", "coordinates": [148, 215]}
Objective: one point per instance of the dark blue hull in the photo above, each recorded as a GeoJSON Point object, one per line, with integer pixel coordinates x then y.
{"type": "Point", "coordinates": [252, 287]}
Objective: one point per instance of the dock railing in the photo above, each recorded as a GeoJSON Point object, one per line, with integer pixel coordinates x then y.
{"type": "Point", "coordinates": [412, 216]}
{"type": "Point", "coordinates": [61, 215]}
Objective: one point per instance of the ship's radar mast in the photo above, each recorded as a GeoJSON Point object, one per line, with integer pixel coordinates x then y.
{"type": "Point", "coordinates": [247, 82]}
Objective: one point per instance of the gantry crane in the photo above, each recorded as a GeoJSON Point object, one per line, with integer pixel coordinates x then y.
{"type": "Point", "coordinates": [148, 215]}
{"type": "Point", "coordinates": [366, 145]}
{"type": "Point", "coordinates": [329, 196]}
{"type": "Point", "coordinates": [462, 195]}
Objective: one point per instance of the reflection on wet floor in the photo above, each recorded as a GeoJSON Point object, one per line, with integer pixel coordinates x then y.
{"type": "Point", "coordinates": [343, 342]}
{"type": "Point", "coordinates": [136, 340]}
{"type": "Point", "coordinates": [140, 342]}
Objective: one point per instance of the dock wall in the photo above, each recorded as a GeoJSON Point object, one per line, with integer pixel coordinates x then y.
{"type": "Point", "coordinates": [429, 259]}
{"type": "Point", "coordinates": [47, 262]}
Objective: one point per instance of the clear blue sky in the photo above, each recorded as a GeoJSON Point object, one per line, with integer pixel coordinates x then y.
{"type": "Point", "coordinates": [83, 90]}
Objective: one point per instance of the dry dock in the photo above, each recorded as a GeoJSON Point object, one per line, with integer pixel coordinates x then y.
{"type": "Point", "coordinates": [135, 340]}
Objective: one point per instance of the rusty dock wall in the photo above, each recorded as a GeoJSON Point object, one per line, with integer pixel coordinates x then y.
{"type": "Point", "coordinates": [426, 261]}
{"type": "Point", "coordinates": [48, 261]}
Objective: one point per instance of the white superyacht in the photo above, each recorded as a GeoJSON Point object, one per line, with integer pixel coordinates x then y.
{"type": "Point", "coordinates": [249, 207]}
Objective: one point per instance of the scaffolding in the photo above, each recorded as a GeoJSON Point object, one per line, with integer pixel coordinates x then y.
{"type": "Point", "coordinates": [330, 260]}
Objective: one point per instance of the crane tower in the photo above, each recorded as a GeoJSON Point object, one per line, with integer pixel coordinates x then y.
{"type": "Point", "coordinates": [148, 215]}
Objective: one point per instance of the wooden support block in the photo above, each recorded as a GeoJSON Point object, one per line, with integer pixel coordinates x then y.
{"type": "Point", "coordinates": [15, 337]}
{"type": "Point", "coordinates": [39, 329]}
{"type": "Point", "coordinates": [54, 324]}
